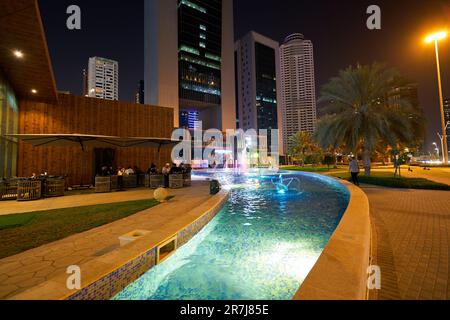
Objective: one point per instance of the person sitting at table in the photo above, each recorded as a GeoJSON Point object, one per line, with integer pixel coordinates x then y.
{"type": "Point", "coordinates": [166, 173]}
{"type": "Point", "coordinates": [110, 171]}
{"type": "Point", "coordinates": [152, 169]}
{"type": "Point", "coordinates": [33, 176]}
{"type": "Point", "coordinates": [129, 171]}
{"type": "Point", "coordinates": [137, 170]}
{"type": "Point", "coordinates": [104, 171]}
{"type": "Point", "coordinates": [174, 169]}
{"type": "Point", "coordinates": [120, 174]}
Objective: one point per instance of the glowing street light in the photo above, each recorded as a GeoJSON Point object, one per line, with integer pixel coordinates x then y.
{"type": "Point", "coordinates": [436, 37]}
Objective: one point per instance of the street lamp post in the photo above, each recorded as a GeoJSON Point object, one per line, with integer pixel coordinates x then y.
{"type": "Point", "coordinates": [436, 37]}
{"type": "Point", "coordinates": [442, 138]}
{"type": "Point", "coordinates": [437, 150]}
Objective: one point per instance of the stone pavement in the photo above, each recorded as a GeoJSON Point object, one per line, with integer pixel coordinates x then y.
{"type": "Point", "coordinates": [28, 269]}
{"type": "Point", "coordinates": [411, 242]}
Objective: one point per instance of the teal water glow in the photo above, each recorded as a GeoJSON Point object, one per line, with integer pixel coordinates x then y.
{"type": "Point", "coordinates": [262, 244]}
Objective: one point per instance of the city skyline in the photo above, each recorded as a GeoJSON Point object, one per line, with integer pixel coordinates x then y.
{"type": "Point", "coordinates": [399, 43]}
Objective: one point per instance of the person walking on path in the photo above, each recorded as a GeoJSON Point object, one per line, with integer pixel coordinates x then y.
{"type": "Point", "coordinates": [354, 170]}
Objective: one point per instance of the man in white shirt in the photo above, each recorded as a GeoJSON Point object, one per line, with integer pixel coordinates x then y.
{"type": "Point", "coordinates": [354, 170]}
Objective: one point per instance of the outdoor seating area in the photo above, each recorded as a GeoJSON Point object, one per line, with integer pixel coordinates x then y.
{"type": "Point", "coordinates": [105, 184]}
{"type": "Point", "coordinates": [29, 189]}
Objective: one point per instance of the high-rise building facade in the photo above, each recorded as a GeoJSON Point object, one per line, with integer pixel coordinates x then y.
{"type": "Point", "coordinates": [85, 90]}
{"type": "Point", "coordinates": [103, 78]}
{"type": "Point", "coordinates": [257, 83]}
{"type": "Point", "coordinates": [140, 93]}
{"type": "Point", "coordinates": [298, 90]}
{"type": "Point", "coordinates": [447, 118]}
{"type": "Point", "coordinates": [189, 59]}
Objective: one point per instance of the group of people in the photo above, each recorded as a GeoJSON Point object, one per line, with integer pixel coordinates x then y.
{"type": "Point", "coordinates": [121, 171]}
{"type": "Point", "coordinates": [174, 169]}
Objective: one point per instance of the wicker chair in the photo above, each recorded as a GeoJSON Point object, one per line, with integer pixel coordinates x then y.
{"type": "Point", "coordinates": [29, 190]}
{"type": "Point", "coordinates": [156, 181]}
{"type": "Point", "coordinates": [54, 187]}
{"type": "Point", "coordinates": [187, 179]}
{"type": "Point", "coordinates": [130, 181]}
{"type": "Point", "coordinates": [114, 182]}
{"type": "Point", "coordinates": [141, 180]}
{"type": "Point", "coordinates": [102, 184]}
{"type": "Point", "coordinates": [8, 190]}
{"type": "Point", "coordinates": [176, 181]}
{"type": "Point", "coordinates": [147, 181]}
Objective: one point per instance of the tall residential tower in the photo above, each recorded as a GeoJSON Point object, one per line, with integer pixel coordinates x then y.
{"type": "Point", "coordinates": [189, 60]}
{"type": "Point", "coordinates": [257, 83]}
{"type": "Point", "coordinates": [298, 90]}
{"type": "Point", "coordinates": [103, 78]}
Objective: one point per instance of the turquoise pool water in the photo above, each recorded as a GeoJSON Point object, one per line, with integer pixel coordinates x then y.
{"type": "Point", "coordinates": [261, 246]}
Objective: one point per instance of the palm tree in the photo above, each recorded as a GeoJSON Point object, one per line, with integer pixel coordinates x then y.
{"type": "Point", "coordinates": [361, 108]}
{"type": "Point", "coordinates": [302, 145]}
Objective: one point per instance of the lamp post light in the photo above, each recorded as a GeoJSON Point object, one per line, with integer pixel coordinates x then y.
{"type": "Point", "coordinates": [436, 37]}
{"type": "Point", "coordinates": [436, 149]}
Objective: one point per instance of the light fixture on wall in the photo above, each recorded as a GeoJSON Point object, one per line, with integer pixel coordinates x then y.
{"type": "Point", "coordinates": [18, 54]}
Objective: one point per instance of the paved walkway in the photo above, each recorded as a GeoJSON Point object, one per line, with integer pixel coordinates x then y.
{"type": "Point", "coordinates": [28, 269]}
{"type": "Point", "coordinates": [411, 239]}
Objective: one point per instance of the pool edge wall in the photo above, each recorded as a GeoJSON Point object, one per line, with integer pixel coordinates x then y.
{"type": "Point", "coordinates": [341, 271]}
{"type": "Point", "coordinates": [106, 276]}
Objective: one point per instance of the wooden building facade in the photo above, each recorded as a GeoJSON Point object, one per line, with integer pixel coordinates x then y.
{"type": "Point", "coordinates": [82, 115]}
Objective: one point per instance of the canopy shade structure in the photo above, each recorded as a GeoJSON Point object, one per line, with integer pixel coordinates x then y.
{"type": "Point", "coordinates": [84, 141]}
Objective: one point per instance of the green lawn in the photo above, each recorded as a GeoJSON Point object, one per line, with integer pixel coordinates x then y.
{"type": "Point", "coordinates": [26, 231]}
{"type": "Point", "coordinates": [320, 169]}
{"type": "Point", "coordinates": [387, 179]}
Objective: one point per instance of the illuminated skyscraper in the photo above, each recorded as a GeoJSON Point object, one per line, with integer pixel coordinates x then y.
{"type": "Point", "coordinates": [257, 81]}
{"type": "Point", "coordinates": [189, 59]}
{"type": "Point", "coordinates": [298, 90]}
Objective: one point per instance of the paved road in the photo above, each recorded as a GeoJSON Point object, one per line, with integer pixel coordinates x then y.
{"type": "Point", "coordinates": [411, 239]}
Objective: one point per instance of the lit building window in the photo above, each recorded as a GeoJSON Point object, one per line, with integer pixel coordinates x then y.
{"type": "Point", "coordinates": [193, 6]}
{"type": "Point", "coordinates": [200, 62]}
{"type": "Point", "coordinates": [190, 50]}
{"type": "Point", "coordinates": [202, 45]}
{"type": "Point", "coordinates": [202, 89]}
{"type": "Point", "coordinates": [202, 27]}
{"type": "Point", "coordinates": [203, 36]}
{"type": "Point", "coordinates": [212, 57]}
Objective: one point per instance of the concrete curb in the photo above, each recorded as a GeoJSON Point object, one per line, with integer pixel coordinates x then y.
{"type": "Point", "coordinates": [341, 271]}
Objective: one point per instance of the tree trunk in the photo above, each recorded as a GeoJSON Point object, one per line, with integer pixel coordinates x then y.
{"type": "Point", "coordinates": [367, 163]}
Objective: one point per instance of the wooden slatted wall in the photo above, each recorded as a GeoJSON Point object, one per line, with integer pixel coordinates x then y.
{"type": "Point", "coordinates": [83, 115]}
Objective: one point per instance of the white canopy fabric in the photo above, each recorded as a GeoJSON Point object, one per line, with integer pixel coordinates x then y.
{"type": "Point", "coordinates": [95, 141]}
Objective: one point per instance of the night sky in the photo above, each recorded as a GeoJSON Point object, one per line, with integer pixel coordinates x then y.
{"type": "Point", "coordinates": [114, 29]}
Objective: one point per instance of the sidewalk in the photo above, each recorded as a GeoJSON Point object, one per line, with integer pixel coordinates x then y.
{"type": "Point", "coordinates": [411, 239]}
{"type": "Point", "coordinates": [28, 269]}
